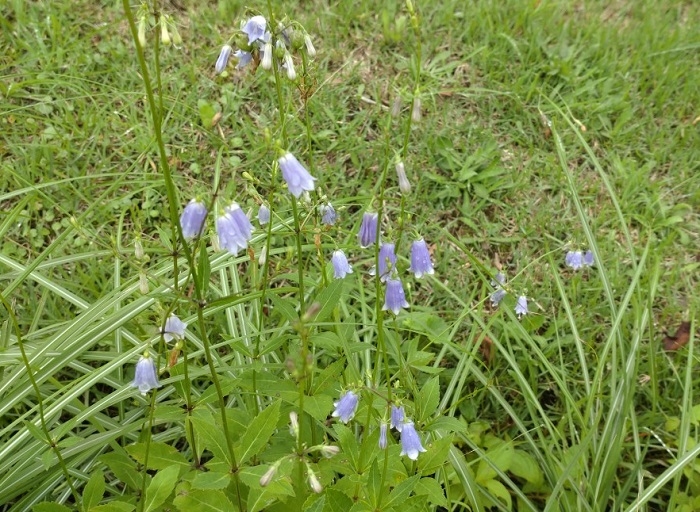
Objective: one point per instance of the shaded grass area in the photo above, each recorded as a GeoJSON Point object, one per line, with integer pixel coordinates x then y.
{"type": "Point", "coordinates": [500, 80]}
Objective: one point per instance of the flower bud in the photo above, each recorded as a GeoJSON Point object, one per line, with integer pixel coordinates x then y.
{"type": "Point", "coordinates": [329, 451]}
{"type": "Point", "coordinates": [310, 50]}
{"type": "Point", "coordinates": [177, 38]}
{"type": "Point", "coordinates": [294, 423]}
{"type": "Point", "coordinates": [269, 475]}
{"type": "Point", "coordinates": [164, 34]}
{"type": "Point", "coordinates": [143, 283]}
{"type": "Point", "coordinates": [416, 115]}
{"type": "Point", "coordinates": [289, 64]}
{"type": "Point", "coordinates": [138, 249]}
{"type": "Point", "coordinates": [404, 184]}
{"type": "Point", "coordinates": [142, 32]}
{"type": "Point", "coordinates": [314, 483]}
{"type": "Point", "coordinates": [267, 56]}
{"type": "Point", "coordinates": [396, 107]}
{"type": "Point", "coordinates": [263, 256]}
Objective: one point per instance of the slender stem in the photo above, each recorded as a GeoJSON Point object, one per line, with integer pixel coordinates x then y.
{"type": "Point", "coordinates": [179, 239]}
{"type": "Point", "coordinates": [53, 444]}
{"type": "Point", "coordinates": [149, 430]}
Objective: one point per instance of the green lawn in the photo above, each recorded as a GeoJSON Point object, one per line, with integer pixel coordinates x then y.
{"type": "Point", "coordinates": [545, 127]}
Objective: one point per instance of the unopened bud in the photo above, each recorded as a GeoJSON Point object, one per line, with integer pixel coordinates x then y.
{"type": "Point", "coordinates": [289, 64]}
{"type": "Point", "coordinates": [404, 184]}
{"type": "Point", "coordinates": [294, 423]}
{"type": "Point", "coordinates": [224, 56]}
{"type": "Point", "coordinates": [267, 56]}
{"type": "Point", "coordinates": [263, 256]}
{"type": "Point", "coordinates": [142, 32]}
{"type": "Point", "coordinates": [310, 50]}
{"type": "Point", "coordinates": [164, 34]}
{"type": "Point", "coordinates": [177, 38]}
{"type": "Point", "coordinates": [329, 451]}
{"type": "Point", "coordinates": [416, 114]}
{"type": "Point", "coordinates": [269, 475]}
{"type": "Point", "coordinates": [314, 483]}
{"type": "Point", "coordinates": [143, 283]}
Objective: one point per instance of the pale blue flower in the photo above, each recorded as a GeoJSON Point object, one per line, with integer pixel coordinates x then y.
{"type": "Point", "coordinates": [497, 296]}
{"type": "Point", "coordinates": [588, 258]}
{"type": "Point", "coordinates": [368, 229]}
{"type": "Point", "coordinates": [382, 435]}
{"type": "Point", "coordinates": [394, 298]}
{"type": "Point", "coordinates": [341, 267]}
{"type": "Point", "coordinates": [174, 329]}
{"type": "Point", "coordinates": [244, 58]}
{"type": "Point", "coordinates": [420, 259]}
{"type": "Point", "coordinates": [328, 215]}
{"type": "Point", "coordinates": [574, 259]}
{"type": "Point", "coordinates": [192, 219]}
{"type": "Point", "coordinates": [234, 229]}
{"type": "Point", "coordinates": [410, 441]}
{"type": "Point", "coordinates": [146, 377]}
{"type": "Point", "coordinates": [521, 306]}
{"type": "Point", "coordinates": [255, 28]}
{"type": "Point", "coordinates": [222, 61]}
{"type": "Point", "coordinates": [297, 177]}
{"type": "Point", "coordinates": [397, 417]}
{"type": "Point", "coordinates": [263, 215]}
{"type": "Point", "coordinates": [345, 407]}
{"type": "Point", "coordinates": [387, 261]}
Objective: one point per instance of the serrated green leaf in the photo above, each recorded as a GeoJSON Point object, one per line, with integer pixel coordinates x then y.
{"type": "Point", "coordinates": [328, 376]}
{"type": "Point", "coordinates": [123, 468]}
{"type": "Point", "coordinates": [114, 506]}
{"type": "Point", "coordinates": [50, 507]}
{"type": "Point", "coordinates": [499, 490]}
{"type": "Point", "coordinates": [525, 466]}
{"type": "Point", "coordinates": [446, 424]}
{"type": "Point", "coordinates": [94, 490]}
{"type": "Point", "coordinates": [433, 490]}
{"type": "Point", "coordinates": [211, 480]}
{"type": "Point", "coordinates": [329, 299]}
{"type": "Point", "coordinates": [160, 455]}
{"type": "Point", "coordinates": [259, 432]}
{"type": "Point", "coordinates": [348, 443]}
{"type": "Point", "coordinates": [336, 501]}
{"type": "Point", "coordinates": [160, 487]}
{"type": "Point", "coordinates": [35, 432]}
{"type": "Point", "coordinates": [318, 406]}
{"type": "Point", "coordinates": [212, 438]}
{"type": "Point", "coordinates": [435, 456]}
{"type": "Point", "coordinates": [501, 457]}
{"type": "Point", "coordinates": [203, 501]}
{"type": "Point", "coordinates": [315, 503]}
{"type": "Point", "coordinates": [402, 491]}
{"type": "Point", "coordinates": [429, 398]}
{"type": "Point", "coordinates": [374, 482]}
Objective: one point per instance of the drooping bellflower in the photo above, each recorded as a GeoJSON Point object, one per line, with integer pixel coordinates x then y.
{"type": "Point", "coordinates": [263, 215]}
{"type": "Point", "coordinates": [297, 177]}
{"type": "Point", "coordinates": [146, 377]}
{"type": "Point", "coordinates": [192, 219]}
{"type": "Point", "coordinates": [174, 329]}
{"type": "Point", "coordinates": [497, 296]}
{"type": "Point", "coordinates": [368, 229]}
{"type": "Point", "coordinates": [234, 229]}
{"type": "Point", "coordinates": [387, 261]}
{"type": "Point", "coordinates": [420, 259]}
{"type": "Point", "coordinates": [410, 441]}
{"type": "Point", "coordinates": [394, 298]}
{"type": "Point", "coordinates": [588, 258]}
{"type": "Point", "coordinates": [382, 435]}
{"type": "Point", "coordinates": [397, 417]}
{"type": "Point", "coordinates": [521, 306]}
{"type": "Point", "coordinates": [341, 267]}
{"type": "Point", "coordinates": [222, 61]}
{"type": "Point", "coordinates": [244, 58]}
{"type": "Point", "coordinates": [328, 215]}
{"type": "Point", "coordinates": [345, 407]}
{"type": "Point", "coordinates": [254, 28]}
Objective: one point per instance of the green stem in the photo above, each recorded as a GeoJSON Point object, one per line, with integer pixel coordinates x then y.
{"type": "Point", "coordinates": [40, 403]}
{"type": "Point", "coordinates": [149, 430]}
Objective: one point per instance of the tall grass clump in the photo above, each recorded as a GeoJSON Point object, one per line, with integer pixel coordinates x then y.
{"type": "Point", "coordinates": [292, 330]}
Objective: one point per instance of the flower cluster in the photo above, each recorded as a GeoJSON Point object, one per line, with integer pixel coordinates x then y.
{"type": "Point", "coordinates": [411, 445]}
{"type": "Point", "coordinates": [258, 44]}
{"type": "Point", "coordinates": [578, 259]}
